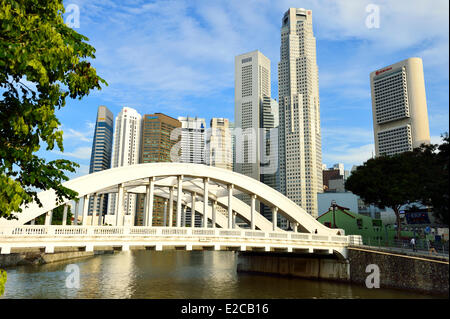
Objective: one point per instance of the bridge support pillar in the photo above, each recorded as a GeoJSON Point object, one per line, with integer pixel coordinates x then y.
{"type": "Point", "coordinates": [90, 247]}
{"type": "Point", "coordinates": [230, 209]}
{"type": "Point", "coordinates": [85, 209]}
{"type": "Point", "coordinates": [125, 247]}
{"type": "Point", "coordinates": [184, 216]}
{"type": "Point", "coordinates": [188, 247]}
{"type": "Point", "coordinates": [193, 199]}
{"type": "Point", "coordinates": [274, 218]}
{"type": "Point", "coordinates": [266, 248]}
{"type": "Point", "coordinates": [119, 212]}
{"type": "Point", "coordinates": [252, 212]}
{"type": "Point", "coordinates": [216, 247]}
{"type": "Point", "coordinates": [297, 265]}
{"type": "Point", "coordinates": [77, 208]}
{"type": "Point", "coordinates": [5, 250]}
{"type": "Point", "coordinates": [214, 206]}
{"type": "Point", "coordinates": [171, 207]}
{"type": "Point", "coordinates": [158, 247]}
{"type": "Point", "coordinates": [48, 217]}
{"type": "Point", "coordinates": [205, 202]}
{"type": "Point", "coordinates": [165, 213]}
{"type": "Point", "coordinates": [64, 219]}
{"type": "Point", "coordinates": [100, 213]}
{"type": "Point", "coordinates": [179, 198]}
{"type": "Point", "coordinates": [243, 248]}
{"type": "Point", "coordinates": [149, 202]}
{"type": "Point", "coordinates": [94, 208]}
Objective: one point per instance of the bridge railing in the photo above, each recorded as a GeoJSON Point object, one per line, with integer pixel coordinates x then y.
{"type": "Point", "coordinates": [30, 231]}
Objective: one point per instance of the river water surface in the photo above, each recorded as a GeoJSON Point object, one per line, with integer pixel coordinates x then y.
{"type": "Point", "coordinates": [173, 274]}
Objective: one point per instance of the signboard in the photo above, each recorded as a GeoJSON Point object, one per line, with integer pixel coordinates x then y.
{"type": "Point", "coordinates": [383, 70]}
{"type": "Point", "coordinates": [417, 218]}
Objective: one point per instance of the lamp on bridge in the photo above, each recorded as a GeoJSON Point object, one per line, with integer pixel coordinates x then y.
{"type": "Point", "coordinates": [333, 204]}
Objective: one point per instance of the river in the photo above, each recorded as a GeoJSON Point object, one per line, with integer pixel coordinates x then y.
{"type": "Point", "coordinates": [173, 274]}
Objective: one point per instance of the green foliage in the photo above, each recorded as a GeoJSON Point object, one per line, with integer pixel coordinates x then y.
{"type": "Point", "coordinates": [417, 176]}
{"type": "Point", "coordinates": [386, 181]}
{"type": "Point", "coordinates": [42, 62]}
{"type": "Point", "coordinates": [433, 161]}
{"type": "Point", "coordinates": [2, 281]}
{"type": "Point", "coordinates": [57, 216]}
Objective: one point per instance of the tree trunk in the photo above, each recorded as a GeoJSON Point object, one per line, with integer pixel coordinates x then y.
{"type": "Point", "coordinates": [397, 214]}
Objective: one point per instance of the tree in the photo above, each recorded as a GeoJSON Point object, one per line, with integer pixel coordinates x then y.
{"type": "Point", "coordinates": [417, 176]}
{"type": "Point", "coordinates": [387, 181]}
{"type": "Point", "coordinates": [433, 161]}
{"type": "Point", "coordinates": [3, 278]}
{"type": "Point", "coordinates": [42, 62]}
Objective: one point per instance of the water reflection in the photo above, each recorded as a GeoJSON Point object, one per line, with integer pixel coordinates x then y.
{"type": "Point", "coordinates": [173, 274]}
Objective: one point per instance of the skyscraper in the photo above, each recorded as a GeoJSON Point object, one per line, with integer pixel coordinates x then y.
{"type": "Point", "coordinates": [300, 146]}
{"type": "Point", "coordinates": [269, 151]}
{"type": "Point", "coordinates": [101, 151]}
{"type": "Point", "coordinates": [126, 147]}
{"type": "Point", "coordinates": [193, 139]}
{"type": "Point", "coordinates": [269, 156]}
{"type": "Point", "coordinates": [252, 84]}
{"type": "Point", "coordinates": [193, 136]}
{"type": "Point", "coordinates": [220, 144]}
{"type": "Point", "coordinates": [256, 116]}
{"type": "Point", "coordinates": [233, 144]}
{"type": "Point", "coordinates": [399, 107]}
{"type": "Point", "coordinates": [155, 147]}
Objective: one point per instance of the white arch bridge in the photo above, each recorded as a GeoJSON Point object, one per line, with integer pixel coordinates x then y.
{"type": "Point", "coordinates": [209, 192]}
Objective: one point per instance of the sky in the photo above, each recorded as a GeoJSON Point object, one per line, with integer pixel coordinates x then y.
{"type": "Point", "coordinates": [177, 57]}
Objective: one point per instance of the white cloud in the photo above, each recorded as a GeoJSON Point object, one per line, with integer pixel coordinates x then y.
{"type": "Point", "coordinates": [80, 153]}
{"type": "Point", "coordinates": [349, 155]}
{"type": "Point", "coordinates": [188, 48]}
{"type": "Point", "coordinates": [77, 135]}
{"type": "Point", "coordinates": [436, 139]}
{"type": "Point", "coordinates": [159, 55]}
{"type": "Point", "coordinates": [347, 135]}
{"type": "Point", "coordinates": [80, 171]}
{"type": "Point", "coordinates": [348, 145]}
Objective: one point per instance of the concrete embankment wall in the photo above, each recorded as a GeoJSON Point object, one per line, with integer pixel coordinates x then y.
{"type": "Point", "coordinates": [37, 257]}
{"type": "Point", "coordinates": [420, 273]}
{"type": "Point", "coordinates": [305, 266]}
{"type": "Point", "coordinates": [402, 271]}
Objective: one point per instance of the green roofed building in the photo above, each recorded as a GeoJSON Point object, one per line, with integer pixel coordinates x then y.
{"type": "Point", "coordinates": [373, 231]}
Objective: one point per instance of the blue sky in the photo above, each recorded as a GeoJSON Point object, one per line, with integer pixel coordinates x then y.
{"type": "Point", "coordinates": [177, 57]}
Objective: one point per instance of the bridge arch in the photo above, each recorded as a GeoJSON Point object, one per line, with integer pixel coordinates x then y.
{"type": "Point", "coordinates": [221, 186]}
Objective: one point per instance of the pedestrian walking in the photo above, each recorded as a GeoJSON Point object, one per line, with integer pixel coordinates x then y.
{"type": "Point", "coordinates": [413, 243]}
{"type": "Point", "coordinates": [431, 248]}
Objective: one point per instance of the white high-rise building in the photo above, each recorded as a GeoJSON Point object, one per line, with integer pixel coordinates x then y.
{"type": "Point", "coordinates": [299, 130]}
{"type": "Point", "coordinates": [399, 107]}
{"type": "Point", "coordinates": [252, 84]}
{"type": "Point", "coordinates": [340, 167]}
{"type": "Point", "coordinates": [126, 146]}
{"type": "Point", "coordinates": [220, 148]}
{"type": "Point", "coordinates": [193, 138]}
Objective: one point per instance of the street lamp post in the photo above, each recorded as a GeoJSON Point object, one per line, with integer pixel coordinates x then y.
{"type": "Point", "coordinates": [333, 204]}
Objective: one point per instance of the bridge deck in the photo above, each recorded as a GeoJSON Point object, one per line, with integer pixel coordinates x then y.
{"type": "Point", "coordinates": [50, 237]}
